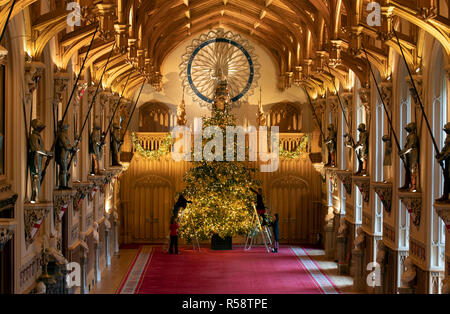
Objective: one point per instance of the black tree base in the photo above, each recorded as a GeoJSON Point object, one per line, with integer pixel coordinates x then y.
{"type": "Point", "coordinates": [217, 243]}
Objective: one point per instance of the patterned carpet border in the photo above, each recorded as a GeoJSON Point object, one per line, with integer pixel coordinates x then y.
{"type": "Point", "coordinates": [132, 281]}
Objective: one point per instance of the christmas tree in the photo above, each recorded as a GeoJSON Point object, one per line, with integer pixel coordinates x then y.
{"type": "Point", "coordinates": [220, 191]}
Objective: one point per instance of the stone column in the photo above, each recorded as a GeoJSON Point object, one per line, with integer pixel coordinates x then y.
{"type": "Point", "coordinates": [107, 240]}
{"type": "Point", "coordinates": [329, 238]}
{"type": "Point", "coordinates": [116, 234]}
{"type": "Point", "coordinates": [359, 278]}
{"type": "Point", "coordinates": [83, 264]}
{"type": "Point", "coordinates": [97, 268]}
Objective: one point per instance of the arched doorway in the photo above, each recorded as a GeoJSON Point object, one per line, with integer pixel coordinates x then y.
{"type": "Point", "coordinates": [151, 202]}
{"type": "Point", "coordinates": [290, 197]}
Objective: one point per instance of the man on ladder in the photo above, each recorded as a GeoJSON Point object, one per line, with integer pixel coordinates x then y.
{"type": "Point", "coordinates": [258, 228]}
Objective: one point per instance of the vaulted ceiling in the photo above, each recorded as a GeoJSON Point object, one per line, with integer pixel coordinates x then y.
{"type": "Point", "coordinates": [312, 42]}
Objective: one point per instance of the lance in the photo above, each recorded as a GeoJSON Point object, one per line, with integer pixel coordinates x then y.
{"type": "Point", "coordinates": [132, 112]}
{"type": "Point", "coordinates": [47, 162]}
{"type": "Point", "coordinates": [115, 109]}
{"type": "Point", "coordinates": [79, 137]}
{"type": "Point", "coordinates": [384, 104]}
{"type": "Point", "coordinates": [27, 137]}
{"type": "Point", "coordinates": [319, 123]}
{"type": "Point", "coordinates": [7, 20]}
{"type": "Point", "coordinates": [418, 97]}
{"type": "Point", "coordinates": [341, 105]}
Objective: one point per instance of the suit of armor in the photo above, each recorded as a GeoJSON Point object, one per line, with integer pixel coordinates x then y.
{"type": "Point", "coordinates": [362, 149]}
{"type": "Point", "coordinates": [444, 157]}
{"type": "Point", "coordinates": [116, 143]}
{"type": "Point", "coordinates": [95, 149]}
{"type": "Point", "coordinates": [36, 153]}
{"type": "Point", "coordinates": [410, 153]}
{"type": "Point", "coordinates": [63, 149]}
{"type": "Point", "coordinates": [331, 142]}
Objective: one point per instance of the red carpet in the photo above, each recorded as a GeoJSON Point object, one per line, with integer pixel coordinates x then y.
{"type": "Point", "coordinates": [225, 272]}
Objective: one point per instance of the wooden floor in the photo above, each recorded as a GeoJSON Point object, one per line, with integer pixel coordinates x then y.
{"type": "Point", "coordinates": [113, 276]}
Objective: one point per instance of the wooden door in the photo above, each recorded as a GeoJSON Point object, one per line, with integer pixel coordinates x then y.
{"type": "Point", "coordinates": [291, 200]}
{"type": "Point", "coordinates": [151, 205]}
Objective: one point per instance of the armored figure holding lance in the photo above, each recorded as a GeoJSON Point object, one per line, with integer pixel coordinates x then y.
{"type": "Point", "coordinates": [387, 161]}
{"type": "Point", "coordinates": [116, 143]}
{"type": "Point", "coordinates": [331, 142]}
{"type": "Point", "coordinates": [362, 149]}
{"type": "Point", "coordinates": [444, 157]}
{"type": "Point", "coordinates": [63, 149]}
{"type": "Point", "coordinates": [410, 154]}
{"type": "Point", "coordinates": [95, 148]}
{"type": "Point", "coordinates": [36, 152]}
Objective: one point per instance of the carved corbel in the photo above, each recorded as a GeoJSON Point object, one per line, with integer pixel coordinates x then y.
{"type": "Point", "coordinates": [384, 192]}
{"type": "Point", "coordinates": [83, 189]}
{"type": "Point", "coordinates": [428, 13]}
{"type": "Point", "coordinates": [321, 60]}
{"type": "Point", "coordinates": [132, 49]}
{"type": "Point", "coordinates": [348, 97]}
{"type": "Point", "coordinates": [61, 80]}
{"type": "Point", "coordinates": [443, 210]}
{"type": "Point", "coordinates": [61, 201]}
{"type": "Point", "coordinates": [106, 18]}
{"type": "Point", "coordinates": [33, 73]}
{"type": "Point", "coordinates": [355, 40]}
{"type": "Point", "coordinates": [98, 183]}
{"type": "Point", "coordinates": [335, 53]}
{"type": "Point", "coordinates": [363, 184]}
{"type": "Point", "coordinates": [34, 215]}
{"type": "Point", "coordinates": [346, 179]}
{"type": "Point", "coordinates": [418, 83]}
{"type": "Point", "coordinates": [386, 93]}
{"type": "Point", "coordinates": [413, 203]}
{"type": "Point", "coordinates": [364, 95]}
{"type": "Point", "coordinates": [333, 103]}
{"type": "Point", "coordinates": [121, 37]}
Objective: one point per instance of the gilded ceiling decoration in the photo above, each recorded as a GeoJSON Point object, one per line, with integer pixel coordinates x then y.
{"type": "Point", "coordinates": [219, 55]}
{"type": "Point", "coordinates": [303, 37]}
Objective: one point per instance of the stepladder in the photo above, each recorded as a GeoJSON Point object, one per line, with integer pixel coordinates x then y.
{"type": "Point", "coordinates": [258, 230]}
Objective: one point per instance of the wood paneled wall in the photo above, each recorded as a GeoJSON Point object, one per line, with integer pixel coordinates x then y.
{"type": "Point", "coordinates": [148, 190]}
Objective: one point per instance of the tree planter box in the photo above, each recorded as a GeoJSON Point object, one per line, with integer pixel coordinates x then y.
{"type": "Point", "coordinates": [217, 243]}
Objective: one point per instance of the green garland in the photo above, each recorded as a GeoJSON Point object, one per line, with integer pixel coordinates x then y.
{"type": "Point", "coordinates": [299, 152]}
{"type": "Point", "coordinates": [163, 150]}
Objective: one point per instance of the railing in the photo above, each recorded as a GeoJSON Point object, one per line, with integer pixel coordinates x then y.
{"type": "Point", "coordinates": [153, 141]}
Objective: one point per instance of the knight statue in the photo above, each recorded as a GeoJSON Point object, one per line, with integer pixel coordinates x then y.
{"type": "Point", "coordinates": [95, 148]}
{"type": "Point", "coordinates": [116, 143]}
{"type": "Point", "coordinates": [63, 149]}
{"type": "Point", "coordinates": [331, 142]}
{"type": "Point", "coordinates": [444, 157]}
{"type": "Point", "coordinates": [362, 149]}
{"type": "Point", "coordinates": [410, 154]}
{"type": "Point", "coordinates": [387, 161]}
{"type": "Point", "coordinates": [36, 153]}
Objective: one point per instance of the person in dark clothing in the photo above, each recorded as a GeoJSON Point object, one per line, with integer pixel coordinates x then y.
{"type": "Point", "coordinates": [181, 203]}
{"type": "Point", "coordinates": [173, 236]}
{"type": "Point", "coordinates": [260, 208]}
{"type": "Point", "coordinates": [276, 233]}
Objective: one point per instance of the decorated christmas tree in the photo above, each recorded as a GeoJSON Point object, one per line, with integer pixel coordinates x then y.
{"type": "Point", "coordinates": [220, 191]}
